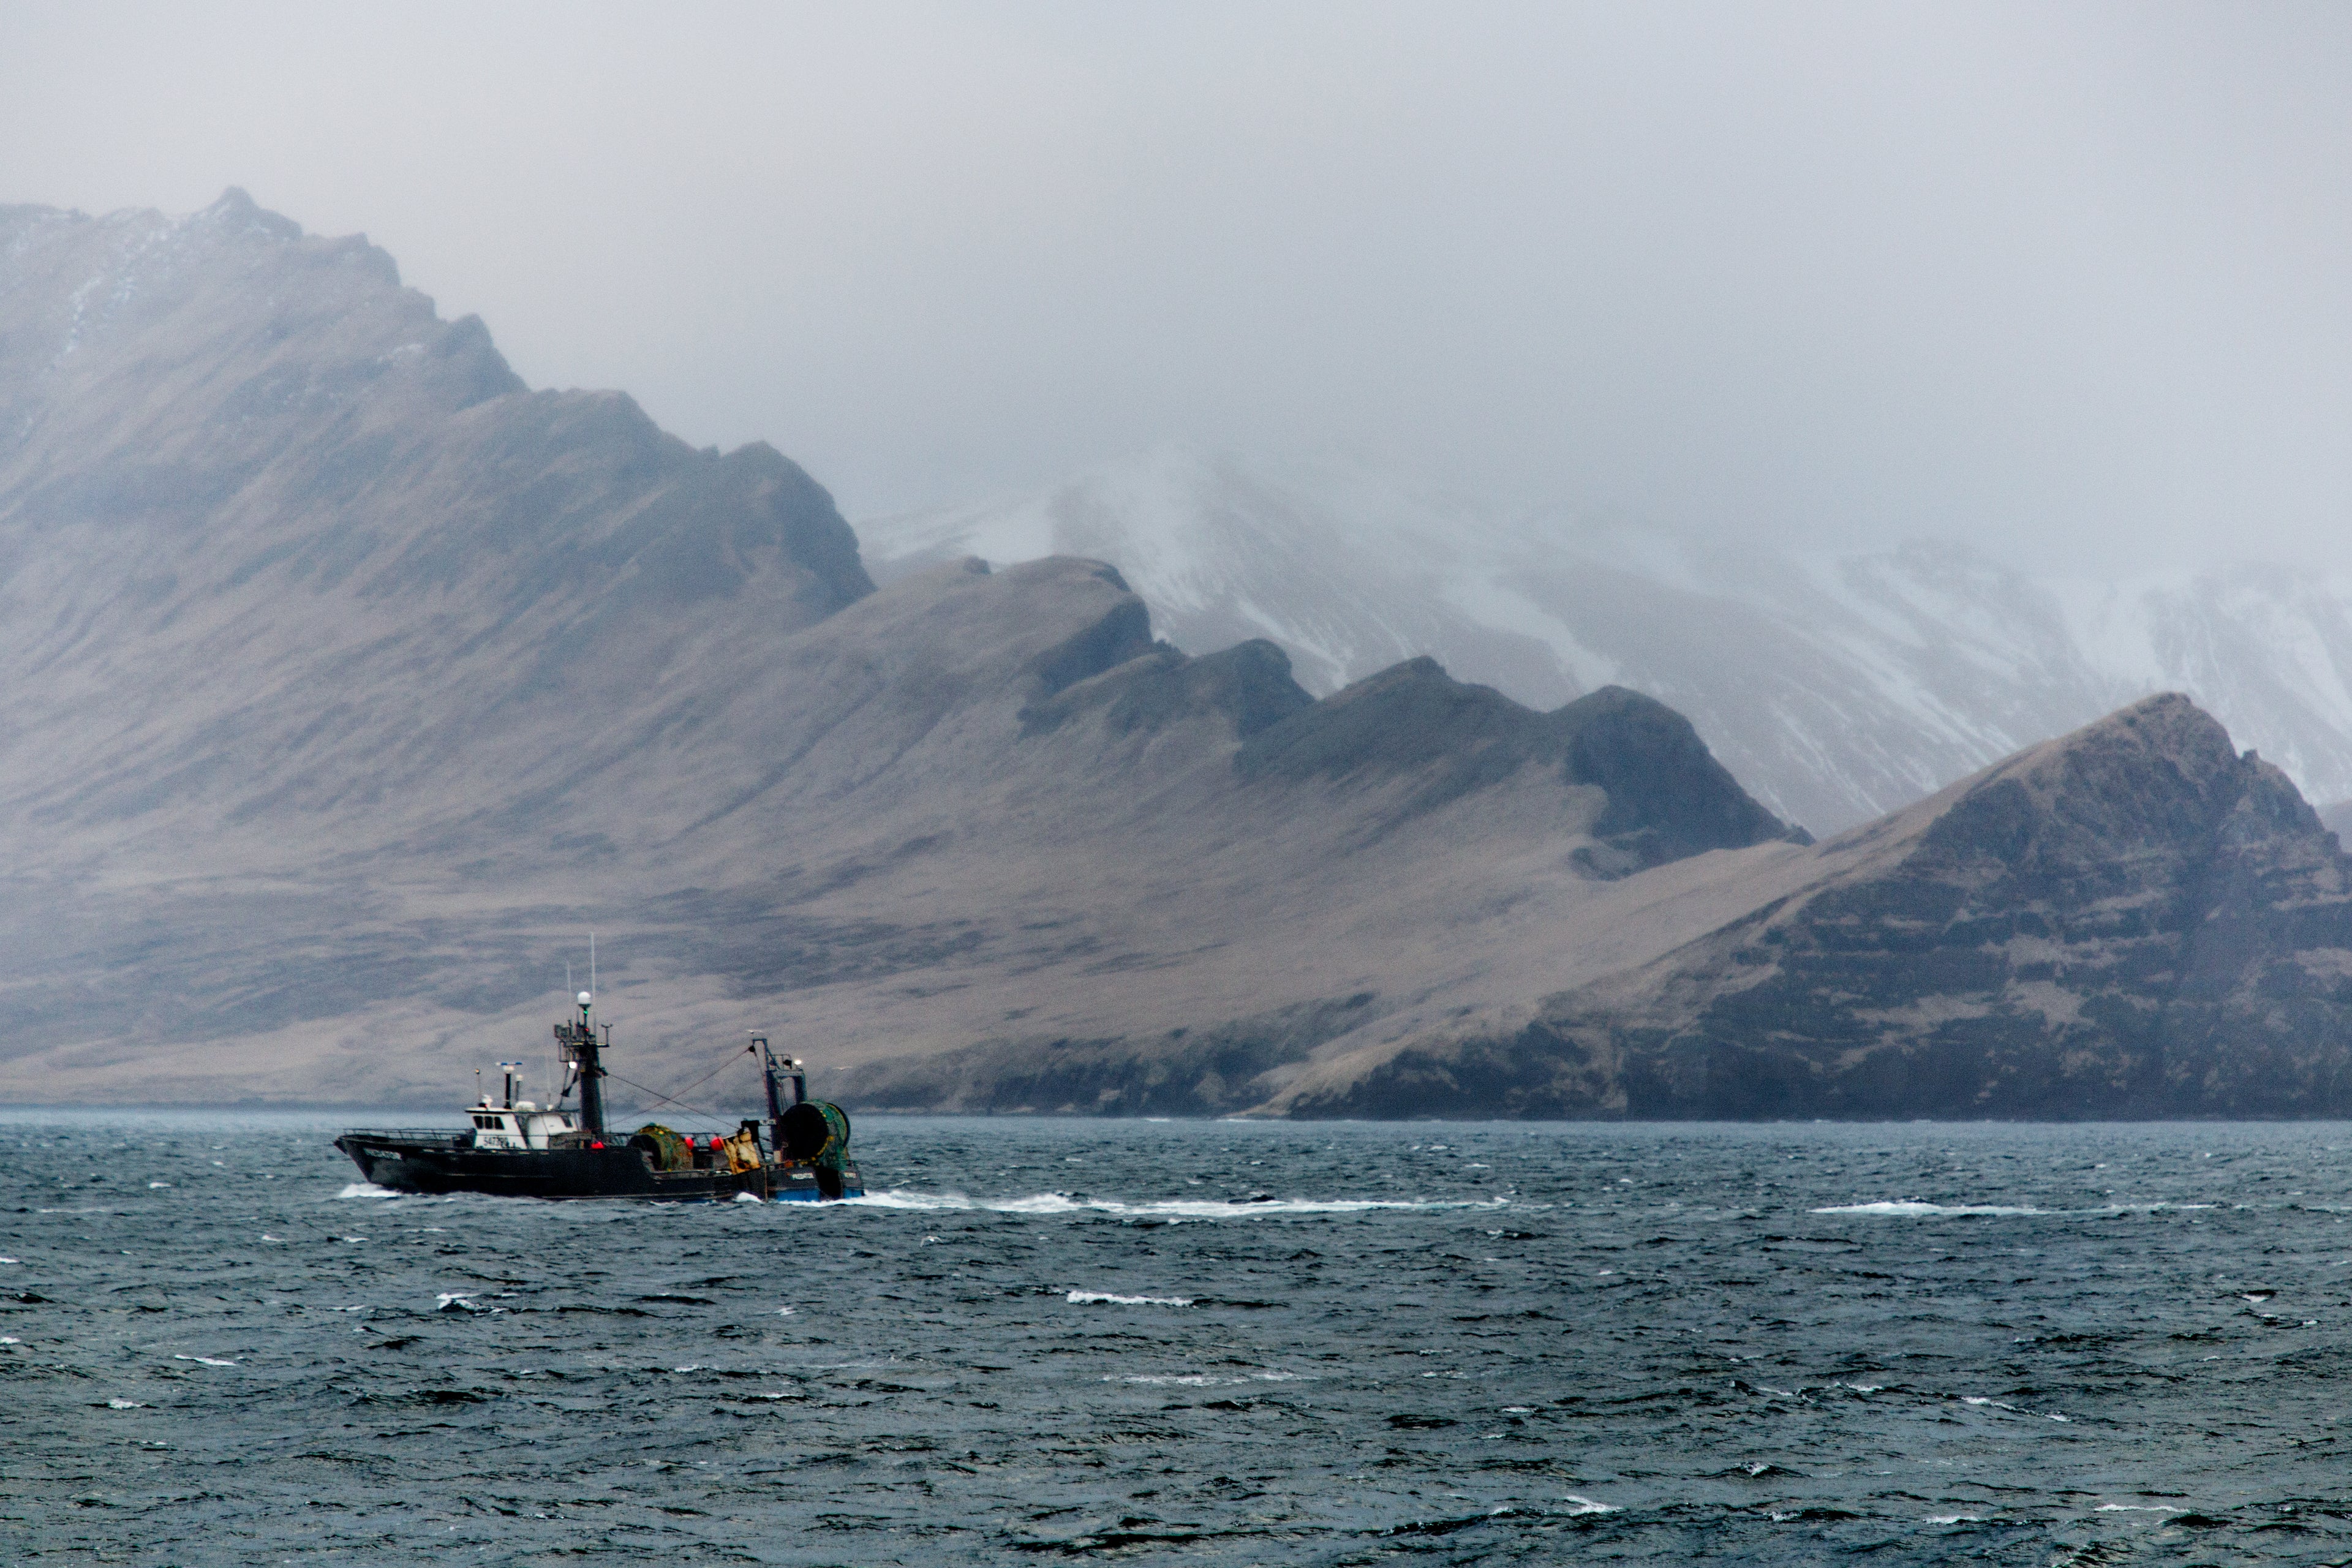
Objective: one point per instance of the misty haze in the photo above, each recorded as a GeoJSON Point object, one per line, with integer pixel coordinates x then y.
{"type": "Point", "coordinates": [1547, 782]}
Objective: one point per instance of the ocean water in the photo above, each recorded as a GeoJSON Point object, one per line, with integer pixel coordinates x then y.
{"type": "Point", "coordinates": [1216, 1344]}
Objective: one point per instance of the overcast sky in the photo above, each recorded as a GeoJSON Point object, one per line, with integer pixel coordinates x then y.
{"type": "Point", "coordinates": [2073, 279]}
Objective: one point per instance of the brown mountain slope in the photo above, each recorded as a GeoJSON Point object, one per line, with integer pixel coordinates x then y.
{"type": "Point", "coordinates": [352, 682]}
{"type": "Point", "coordinates": [965, 821]}
{"type": "Point", "coordinates": [2130, 921]}
{"type": "Point", "coordinates": [276, 542]}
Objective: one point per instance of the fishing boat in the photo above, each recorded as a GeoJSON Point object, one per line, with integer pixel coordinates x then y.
{"type": "Point", "coordinates": [518, 1149]}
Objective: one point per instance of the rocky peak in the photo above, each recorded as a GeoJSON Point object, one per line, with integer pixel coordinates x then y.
{"type": "Point", "coordinates": [2154, 778]}
{"type": "Point", "coordinates": [1249, 684]}
{"type": "Point", "coordinates": [1666, 796]}
{"type": "Point", "coordinates": [231, 451]}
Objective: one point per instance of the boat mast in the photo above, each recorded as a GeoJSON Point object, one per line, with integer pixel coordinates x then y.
{"type": "Point", "coordinates": [770, 1070]}
{"type": "Point", "coordinates": [577, 1041]}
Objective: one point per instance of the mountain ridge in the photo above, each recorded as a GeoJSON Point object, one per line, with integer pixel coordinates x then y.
{"type": "Point", "coordinates": [1836, 688]}
{"type": "Point", "coordinates": [358, 682]}
{"type": "Point", "coordinates": [361, 681]}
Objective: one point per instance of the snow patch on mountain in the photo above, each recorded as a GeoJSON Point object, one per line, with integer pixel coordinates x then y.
{"type": "Point", "coordinates": [1835, 687]}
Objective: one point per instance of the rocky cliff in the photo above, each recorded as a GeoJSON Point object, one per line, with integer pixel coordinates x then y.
{"type": "Point", "coordinates": [2132, 920]}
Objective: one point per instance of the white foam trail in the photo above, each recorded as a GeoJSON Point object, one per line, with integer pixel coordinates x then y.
{"type": "Point", "coordinates": [1585, 1505]}
{"type": "Point", "coordinates": [11, 1260]}
{"type": "Point", "coordinates": [1953, 1518]}
{"type": "Point", "coordinates": [205, 1360]}
{"type": "Point", "coordinates": [367, 1189]}
{"type": "Point", "coordinates": [1202, 1379]}
{"type": "Point", "coordinates": [125, 1404]}
{"type": "Point", "coordinates": [1907, 1210]}
{"type": "Point", "coordinates": [1085, 1296]}
{"type": "Point", "coordinates": [1166, 1208]}
{"type": "Point", "coordinates": [1926, 1211]}
{"type": "Point", "coordinates": [153, 1185]}
{"type": "Point", "coordinates": [1996, 1404]}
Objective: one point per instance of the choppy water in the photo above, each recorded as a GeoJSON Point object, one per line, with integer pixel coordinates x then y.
{"type": "Point", "coordinates": [1076, 1340]}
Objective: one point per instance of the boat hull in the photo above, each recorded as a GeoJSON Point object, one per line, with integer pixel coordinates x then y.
{"type": "Point", "coordinates": [410, 1162]}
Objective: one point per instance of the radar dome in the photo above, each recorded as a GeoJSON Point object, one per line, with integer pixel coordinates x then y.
{"type": "Point", "coordinates": [585, 998]}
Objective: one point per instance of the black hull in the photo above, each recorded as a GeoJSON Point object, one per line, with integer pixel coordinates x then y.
{"type": "Point", "coordinates": [450, 1164]}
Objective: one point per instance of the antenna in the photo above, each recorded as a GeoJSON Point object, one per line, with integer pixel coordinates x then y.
{"type": "Point", "coordinates": [592, 964]}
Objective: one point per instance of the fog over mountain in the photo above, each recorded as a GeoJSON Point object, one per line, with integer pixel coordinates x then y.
{"type": "Point", "coordinates": [1837, 687]}
{"type": "Point", "coordinates": [354, 681]}
{"type": "Point", "coordinates": [2066, 281]}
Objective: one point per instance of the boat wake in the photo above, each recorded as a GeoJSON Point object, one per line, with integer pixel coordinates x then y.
{"type": "Point", "coordinates": [1169, 1208]}
{"type": "Point", "coordinates": [1908, 1210]}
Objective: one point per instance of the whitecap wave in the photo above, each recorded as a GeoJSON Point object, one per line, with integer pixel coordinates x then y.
{"type": "Point", "coordinates": [1083, 1297]}
{"type": "Point", "coordinates": [369, 1190]}
{"type": "Point", "coordinates": [1161, 1209]}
